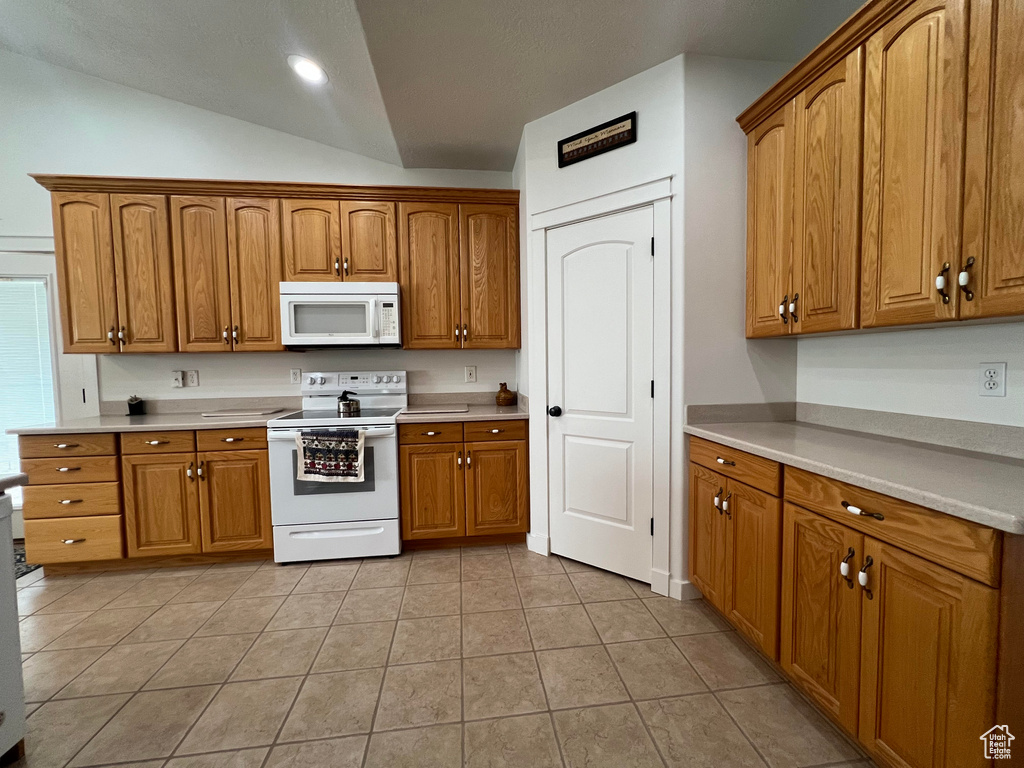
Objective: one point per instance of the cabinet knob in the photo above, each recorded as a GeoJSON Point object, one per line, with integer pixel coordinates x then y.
{"type": "Point", "coordinates": [225, 335]}
{"type": "Point", "coordinates": [858, 511]}
{"type": "Point", "coordinates": [844, 567]}
{"type": "Point", "coordinates": [234, 333]}
{"type": "Point", "coordinates": [70, 501]}
{"type": "Point", "coordinates": [72, 541]}
{"type": "Point", "coordinates": [65, 445]}
{"type": "Point", "coordinates": [718, 500]}
{"type": "Point", "coordinates": [940, 283]}
{"type": "Point", "coordinates": [188, 472]}
{"type": "Point", "coordinates": [782, 309]}
{"type": "Point", "coordinates": [862, 577]}
{"type": "Point", "coordinates": [469, 460]}
{"type": "Point", "coordinates": [792, 307]}
{"type": "Point", "coordinates": [965, 280]}
{"type": "Point", "coordinates": [725, 505]}
{"type": "Point", "coordinates": [68, 469]}
{"type": "Point", "coordinates": [497, 431]}
{"type": "Point", "coordinates": [232, 439]}
{"type": "Point", "coordinates": [725, 462]}
{"type": "Point", "coordinates": [110, 336]}
{"type": "Point", "coordinates": [428, 434]}
{"type": "Point", "coordinates": [157, 442]}
{"type": "Point", "coordinates": [460, 459]}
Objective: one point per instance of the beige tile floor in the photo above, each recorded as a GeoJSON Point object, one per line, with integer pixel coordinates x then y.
{"type": "Point", "coordinates": [491, 656]}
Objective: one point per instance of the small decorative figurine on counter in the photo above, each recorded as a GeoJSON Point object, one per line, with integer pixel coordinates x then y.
{"type": "Point", "coordinates": [504, 397]}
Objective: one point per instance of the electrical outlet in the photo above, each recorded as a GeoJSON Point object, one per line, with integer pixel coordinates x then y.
{"type": "Point", "coordinates": [179, 379]}
{"type": "Point", "coordinates": [992, 379]}
{"type": "Point", "coordinates": [296, 376]}
{"type": "Point", "coordinates": [191, 378]}
{"type": "Point", "coordinates": [470, 373]}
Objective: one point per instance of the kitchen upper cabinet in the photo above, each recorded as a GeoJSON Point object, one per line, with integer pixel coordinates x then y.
{"type": "Point", "coordinates": [369, 249]}
{"type": "Point", "coordinates": [142, 268]}
{"type": "Point", "coordinates": [433, 491]}
{"type": "Point", "coordinates": [429, 254]}
{"type": "Point", "coordinates": [914, 115]}
{"type": "Point", "coordinates": [161, 504]}
{"type": "Point", "coordinates": [821, 612]}
{"type": "Point", "coordinates": [928, 661]}
{"type": "Point", "coordinates": [312, 240]}
{"type": "Point", "coordinates": [753, 531]}
{"type": "Point", "coordinates": [993, 244]}
{"type": "Point", "coordinates": [826, 207]}
{"type": "Point", "coordinates": [198, 235]}
{"type": "Point", "coordinates": [234, 500]}
{"type": "Point", "coordinates": [707, 535]}
{"type": "Point", "coordinates": [254, 256]}
{"type": "Point", "coordinates": [496, 488]}
{"type": "Point", "coordinates": [85, 271]}
{"type": "Point", "coordinates": [770, 150]}
{"type": "Point", "coordinates": [489, 269]}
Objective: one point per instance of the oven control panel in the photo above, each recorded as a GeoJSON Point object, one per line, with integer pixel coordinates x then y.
{"type": "Point", "coordinates": [360, 382]}
{"type": "Point", "coordinates": [388, 319]}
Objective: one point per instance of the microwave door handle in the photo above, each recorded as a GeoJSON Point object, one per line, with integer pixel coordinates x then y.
{"type": "Point", "coordinates": [375, 309]}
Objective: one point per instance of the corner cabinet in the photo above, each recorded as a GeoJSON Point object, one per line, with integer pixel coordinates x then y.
{"type": "Point", "coordinates": [900, 199]}
{"type": "Point", "coordinates": [463, 479]}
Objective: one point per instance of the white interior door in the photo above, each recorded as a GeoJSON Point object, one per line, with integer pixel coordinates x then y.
{"type": "Point", "coordinates": [600, 368]}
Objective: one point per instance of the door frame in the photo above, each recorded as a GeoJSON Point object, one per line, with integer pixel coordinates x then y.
{"type": "Point", "coordinates": [657, 195]}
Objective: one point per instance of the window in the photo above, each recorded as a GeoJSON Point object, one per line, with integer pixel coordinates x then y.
{"type": "Point", "coordinates": [26, 364]}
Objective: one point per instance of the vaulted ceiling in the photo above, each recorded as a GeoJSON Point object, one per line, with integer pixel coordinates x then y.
{"type": "Point", "coordinates": [419, 83]}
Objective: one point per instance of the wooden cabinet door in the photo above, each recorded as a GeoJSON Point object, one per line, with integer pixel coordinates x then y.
{"type": "Point", "coordinates": [770, 223]}
{"type": "Point", "coordinates": [234, 500]}
{"type": "Point", "coordinates": [826, 204]}
{"type": "Point", "coordinates": [489, 268]}
{"type": "Point", "coordinates": [254, 255]}
{"type": "Point", "coordinates": [707, 535]}
{"type": "Point", "coordinates": [85, 271]}
{"type": "Point", "coordinates": [497, 488]}
{"type": "Point", "coordinates": [312, 240]}
{"type": "Point", "coordinates": [142, 265]}
{"type": "Point", "coordinates": [429, 275]}
{"type": "Point", "coordinates": [821, 612]}
{"type": "Point", "coordinates": [199, 239]}
{"type": "Point", "coordinates": [994, 180]}
{"type": "Point", "coordinates": [928, 662]}
{"type": "Point", "coordinates": [752, 543]}
{"type": "Point", "coordinates": [369, 249]}
{"type": "Point", "coordinates": [433, 491]}
{"type": "Point", "coordinates": [914, 116]}
{"type": "Point", "coordinates": [161, 504]}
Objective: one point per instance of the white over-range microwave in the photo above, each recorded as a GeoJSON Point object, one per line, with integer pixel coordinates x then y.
{"type": "Point", "coordinates": [340, 314]}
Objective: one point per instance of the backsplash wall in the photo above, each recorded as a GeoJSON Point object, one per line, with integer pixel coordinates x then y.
{"type": "Point", "coordinates": [266, 374]}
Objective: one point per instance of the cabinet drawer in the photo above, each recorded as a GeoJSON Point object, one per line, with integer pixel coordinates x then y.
{"type": "Point", "coordinates": [73, 469]}
{"type": "Point", "coordinates": [230, 439]}
{"type": "Point", "coordinates": [54, 446]}
{"type": "Point", "coordinates": [763, 474]}
{"type": "Point", "coordinates": [91, 538]}
{"type": "Point", "coordinates": [965, 547]}
{"type": "Point", "coordinates": [71, 500]}
{"type": "Point", "coordinates": [437, 432]}
{"type": "Point", "coordinates": [158, 442]}
{"type": "Point", "coordinates": [495, 430]}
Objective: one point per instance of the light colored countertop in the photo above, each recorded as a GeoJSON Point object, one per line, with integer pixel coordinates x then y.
{"type": "Point", "coordinates": [150, 422]}
{"type": "Point", "coordinates": [983, 488]}
{"type": "Point", "coordinates": [475, 413]}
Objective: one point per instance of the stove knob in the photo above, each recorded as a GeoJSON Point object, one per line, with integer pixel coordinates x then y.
{"type": "Point", "coordinates": [387, 379]}
{"type": "Point", "coordinates": [311, 380]}
{"type": "Point", "coordinates": [396, 379]}
{"type": "Point", "coordinates": [321, 381]}
{"type": "Point", "coordinates": [376, 379]}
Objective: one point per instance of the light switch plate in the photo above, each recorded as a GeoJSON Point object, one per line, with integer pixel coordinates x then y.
{"type": "Point", "coordinates": [992, 379]}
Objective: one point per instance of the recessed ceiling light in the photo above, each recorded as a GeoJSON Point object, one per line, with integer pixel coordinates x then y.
{"type": "Point", "coordinates": [308, 70]}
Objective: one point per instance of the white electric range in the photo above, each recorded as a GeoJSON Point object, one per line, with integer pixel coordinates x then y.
{"type": "Point", "coordinates": [327, 521]}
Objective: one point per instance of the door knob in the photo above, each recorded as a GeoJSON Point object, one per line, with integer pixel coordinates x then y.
{"type": "Point", "coordinates": [555, 411]}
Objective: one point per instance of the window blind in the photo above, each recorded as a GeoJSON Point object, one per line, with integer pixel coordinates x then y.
{"type": "Point", "coordinates": [26, 365]}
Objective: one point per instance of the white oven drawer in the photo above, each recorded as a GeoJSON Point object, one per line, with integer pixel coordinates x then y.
{"type": "Point", "coordinates": [332, 541]}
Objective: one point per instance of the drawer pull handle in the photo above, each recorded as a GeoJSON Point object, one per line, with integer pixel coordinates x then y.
{"type": "Point", "coordinates": [858, 511]}
{"type": "Point", "coordinates": [725, 462]}
{"type": "Point", "coordinates": [862, 577]}
{"type": "Point", "coordinates": [72, 541]}
{"type": "Point", "coordinates": [188, 472]}
{"type": "Point", "coordinates": [460, 459]}
{"type": "Point", "coordinates": [65, 445]}
{"type": "Point", "coordinates": [844, 567]}
{"type": "Point", "coordinates": [725, 505]}
{"type": "Point", "coordinates": [70, 501]}
{"type": "Point", "coordinates": [68, 469]}
{"type": "Point", "coordinates": [428, 434]}
{"type": "Point", "coordinates": [718, 500]}
{"type": "Point", "coordinates": [497, 431]}
{"type": "Point", "coordinates": [157, 442]}
{"type": "Point", "coordinates": [232, 439]}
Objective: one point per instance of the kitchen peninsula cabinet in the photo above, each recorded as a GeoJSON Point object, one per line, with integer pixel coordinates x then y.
{"type": "Point", "coordinates": [888, 613]}
{"type": "Point", "coordinates": [906, 190]}
{"type": "Point", "coordinates": [461, 480]}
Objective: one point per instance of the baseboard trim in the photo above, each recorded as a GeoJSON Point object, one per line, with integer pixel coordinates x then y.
{"type": "Point", "coordinates": [539, 544]}
{"type": "Point", "coordinates": [683, 590]}
{"type": "Point", "coordinates": [660, 581]}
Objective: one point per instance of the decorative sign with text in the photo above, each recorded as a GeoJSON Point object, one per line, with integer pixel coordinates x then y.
{"type": "Point", "coordinates": [597, 140]}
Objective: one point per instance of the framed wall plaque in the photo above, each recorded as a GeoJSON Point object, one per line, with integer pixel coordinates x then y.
{"type": "Point", "coordinates": [597, 140]}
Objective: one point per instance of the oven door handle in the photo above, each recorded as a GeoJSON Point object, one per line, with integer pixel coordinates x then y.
{"type": "Point", "coordinates": [276, 435]}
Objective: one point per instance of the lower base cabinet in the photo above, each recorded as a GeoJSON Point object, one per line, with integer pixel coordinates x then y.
{"type": "Point", "coordinates": [234, 501]}
{"type": "Point", "coordinates": [452, 488]}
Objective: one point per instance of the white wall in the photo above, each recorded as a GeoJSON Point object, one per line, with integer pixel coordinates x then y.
{"type": "Point", "coordinates": [519, 182]}
{"type": "Point", "coordinates": [266, 374]}
{"type": "Point", "coordinates": [59, 121]}
{"type": "Point", "coordinates": [720, 365]}
{"type": "Point", "coordinates": [924, 372]}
